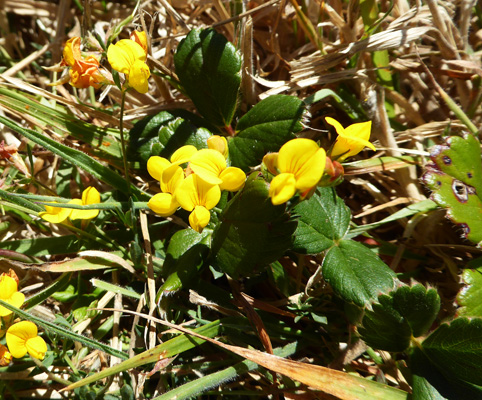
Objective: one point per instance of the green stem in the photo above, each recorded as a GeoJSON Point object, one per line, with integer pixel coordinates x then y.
{"type": "Point", "coordinates": [123, 141]}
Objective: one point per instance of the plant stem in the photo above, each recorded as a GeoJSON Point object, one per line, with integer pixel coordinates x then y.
{"type": "Point", "coordinates": [123, 141]}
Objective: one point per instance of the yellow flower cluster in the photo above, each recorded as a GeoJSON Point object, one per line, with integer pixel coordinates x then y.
{"type": "Point", "coordinates": [57, 215]}
{"type": "Point", "coordinates": [127, 56]}
{"type": "Point", "coordinates": [196, 188]}
{"type": "Point", "coordinates": [300, 164]}
{"type": "Point", "coordinates": [22, 337]}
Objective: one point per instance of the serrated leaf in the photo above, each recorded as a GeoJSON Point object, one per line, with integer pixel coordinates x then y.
{"type": "Point", "coordinates": [355, 273]}
{"type": "Point", "coordinates": [264, 128]}
{"type": "Point", "coordinates": [209, 69]}
{"type": "Point", "coordinates": [164, 133]}
{"type": "Point", "coordinates": [456, 349]}
{"type": "Point", "coordinates": [405, 312]}
{"type": "Point", "coordinates": [456, 181]}
{"type": "Point", "coordinates": [323, 219]}
{"type": "Point", "coordinates": [185, 254]}
{"type": "Point", "coordinates": [252, 232]}
{"type": "Point", "coordinates": [470, 297]}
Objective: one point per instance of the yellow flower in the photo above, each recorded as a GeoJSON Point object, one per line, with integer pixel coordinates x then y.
{"type": "Point", "coordinates": [210, 166]}
{"type": "Point", "coordinates": [5, 356]}
{"type": "Point", "coordinates": [22, 338]}
{"type": "Point", "coordinates": [301, 164]}
{"type": "Point", "coordinates": [170, 175]}
{"type": "Point", "coordinates": [84, 71]}
{"type": "Point", "coordinates": [350, 140]}
{"type": "Point", "coordinates": [140, 38]}
{"type": "Point", "coordinates": [55, 215]}
{"type": "Point", "coordinates": [218, 143]}
{"type": "Point", "coordinates": [129, 57]}
{"type": "Point", "coordinates": [10, 294]}
{"type": "Point", "coordinates": [89, 196]}
{"type": "Point", "coordinates": [198, 196]}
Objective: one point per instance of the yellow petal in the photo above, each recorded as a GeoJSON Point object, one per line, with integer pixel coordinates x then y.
{"type": "Point", "coordinates": [304, 159]}
{"type": "Point", "coordinates": [82, 214]}
{"type": "Point", "coordinates": [9, 293]}
{"type": "Point", "coordinates": [17, 336]}
{"type": "Point", "coordinates": [270, 161]}
{"type": "Point", "coordinates": [194, 191]}
{"type": "Point", "coordinates": [233, 179]}
{"type": "Point", "coordinates": [71, 51]}
{"type": "Point", "coordinates": [199, 218]}
{"type": "Point", "coordinates": [55, 215]}
{"type": "Point", "coordinates": [156, 165]}
{"type": "Point", "coordinates": [163, 204]}
{"type": "Point", "coordinates": [171, 177]}
{"type": "Point", "coordinates": [8, 286]}
{"type": "Point", "coordinates": [208, 165]}
{"type": "Point", "coordinates": [140, 38]}
{"type": "Point", "coordinates": [124, 54]}
{"type": "Point", "coordinates": [5, 356]}
{"type": "Point", "coordinates": [282, 188]}
{"type": "Point", "coordinates": [310, 174]}
{"type": "Point", "coordinates": [218, 143]}
{"type": "Point", "coordinates": [36, 347]}
{"type": "Point", "coordinates": [138, 76]}
{"type": "Point", "coordinates": [350, 141]}
{"type": "Point", "coordinates": [90, 196]}
{"type": "Point", "coordinates": [183, 154]}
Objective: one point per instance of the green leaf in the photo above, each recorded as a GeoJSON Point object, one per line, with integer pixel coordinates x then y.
{"type": "Point", "coordinates": [456, 349]}
{"type": "Point", "coordinates": [456, 181]}
{"type": "Point", "coordinates": [164, 133]}
{"type": "Point", "coordinates": [19, 201]}
{"type": "Point", "coordinates": [323, 219]}
{"type": "Point", "coordinates": [470, 297]}
{"type": "Point", "coordinates": [208, 68]}
{"type": "Point", "coordinates": [356, 273]}
{"type": "Point", "coordinates": [44, 246]}
{"type": "Point", "coordinates": [264, 128]}
{"type": "Point", "coordinates": [76, 157]}
{"type": "Point", "coordinates": [430, 384]}
{"type": "Point", "coordinates": [184, 257]}
{"type": "Point", "coordinates": [405, 312]}
{"type": "Point", "coordinates": [252, 232]}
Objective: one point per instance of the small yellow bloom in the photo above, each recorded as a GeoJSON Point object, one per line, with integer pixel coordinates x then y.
{"type": "Point", "coordinates": [84, 71]}
{"type": "Point", "coordinates": [210, 166]}
{"type": "Point", "coordinates": [301, 164]}
{"type": "Point", "coordinates": [350, 140]}
{"type": "Point", "coordinates": [219, 143]}
{"type": "Point", "coordinates": [5, 356]}
{"type": "Point", "coordinates": [10, 294]}
{"type": "Point", "coordinates": [129, 57]}
{"type": "Point", "coordinates": [89, 196]}
{"type": "Point", "coordinates": [22, 338]}
{"type": "Point", "coordinates": [198, 196]}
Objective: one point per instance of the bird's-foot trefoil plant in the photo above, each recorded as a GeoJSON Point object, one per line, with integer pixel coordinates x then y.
{"type": "Point", "coordinates": [226, 218]}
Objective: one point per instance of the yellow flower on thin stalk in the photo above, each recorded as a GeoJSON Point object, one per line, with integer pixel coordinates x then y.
{"type": "Point", "coordinates": [351, 140]}
{"type": "Point", "coordinates": [301, 163]}
{"type": "Point", "coordinates": [129, 57]}
{"type": "Point", "coordinates": [198, 196]}
{"type": "Point", "coordinates": [10, 294]}
{"type": "Point", "coordinates": [22, 338]}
